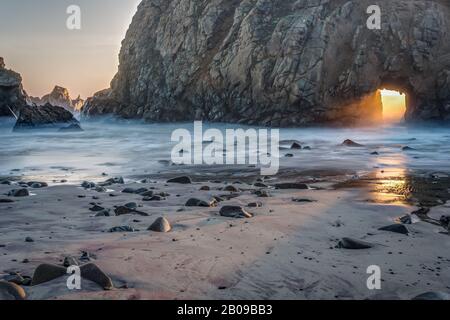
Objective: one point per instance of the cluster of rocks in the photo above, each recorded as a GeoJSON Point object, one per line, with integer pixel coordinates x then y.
{"type": "Point", "coordinates": [59, 97]}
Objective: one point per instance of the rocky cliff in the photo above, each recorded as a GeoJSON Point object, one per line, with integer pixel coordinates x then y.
{"type": "Point", "coordinates": [59, 97]}
{"type": "Point", "coordinates": [280, 62]}
{"type": "Point", "coordinates": [12, 94]}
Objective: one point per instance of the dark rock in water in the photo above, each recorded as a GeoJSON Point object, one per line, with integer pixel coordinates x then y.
{"type": "Point", "coordinates": [100, 189]}
{"type": "Point", "coordinates": [255, 205]}
{"type": "Point", "coordinates": [46, 116]}
{"type": "Point", "coordinates": [291, 186]}
{"type": "Point", "coordinates": [19, 193]}
{"type": "Point", "coordinates": [37, 184]}
{"type": "Point", "coordinates": [11, 291]}
{"type": "Point", "coordinates": [348, 243]}
{"type": "Point", "coordinates": [193, 202]}
{"type": "Point", "coordinates": [96, 208]}
{"type": "Point", "coordinates": [47, 272]}
{"type": "Point", "coordinates": [408, 149]}
{"type": "Point", "coordinates": [289, 155]}
{"type": "Point", "coordinates": [75, 127]}
{"type": "Point", "coordinates": [218, 199]}
{"type": "Point", "coordinates": [234, 212]}
{"type": "Point", "coordinates": [445, 221]}
{"type": "Point", "coordinates": [14, 278]}
{"type": "Point", "coordinates": [6, 182]}
{"type": "Point", "coordinates": [29, 239]}
{"type": "Point", "coordinates": [85, 256]}
{"type": "Point", "coordinates": [260, 185]}
{"type": "Point", "coordinates": [70, 261]}
{"type": "Point", "coordinates": [296, 146]}
{"type": "Point", "coordinates": [122, 210]}
{"type": "Point", "coordinates": [351, 143]}
{"type": "Point", "coordinates": [307, 148]}
{"type": "Point", "coordinates": [432, 296]}
{"type": "Point", "coordinates": [396, 228]}
{"type": "Point", "coordinates": [115, 180]}
{"type": "Point", "coordinates": [205, 188]}
{"type": "Point", "coordinates": [180, 180]}
{"type": "Point", "coordinates": [6, 201]}
{"type": "Point", "coordinates": [375, 153]}
{"type": "Point", "coordinates": [231, 189]}
{"type": "Point", "coordinates": [160, 225]}
{"type": "Point", "coordinates": [121, 229]}
{"type": "Point", "coordinates": [93, 273]}
{"type": "Point", "coordinates": [88, 185]}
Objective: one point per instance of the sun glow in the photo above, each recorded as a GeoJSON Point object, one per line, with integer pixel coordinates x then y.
{"type": "Point", "coordinates": [394, 105]}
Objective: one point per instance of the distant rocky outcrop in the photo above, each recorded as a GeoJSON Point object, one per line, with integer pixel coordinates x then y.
{"type": "Point", "coordinates": [46, 116]}
{"type": "Point", "coordinates": [12, 95]}
{"type": "Point", "coordinates": [280, 62]}
{"type": "Point", "coordinates": [59, 97]}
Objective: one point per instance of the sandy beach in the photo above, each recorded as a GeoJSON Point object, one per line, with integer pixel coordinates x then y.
{"type": "Point", "coordinates": [289, 249]}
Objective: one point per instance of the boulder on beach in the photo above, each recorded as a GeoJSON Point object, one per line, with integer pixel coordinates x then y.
{"type": "Point", "coordinates": [93, 273]}
{"type": "Point", "coordinates": [180, 180]}
{"type": "Point", "coordinates": [11, 291]}
{"type": "Point", "coordinates": [396, 228]}
{"type": "Point", "coordinates": [46, 116]}
{"type": "Point", "coordinates": [353, 244]}
{"type": "Point", "coordinates": [235, 212]}
{"type": "Point", "coordinates": [47, 272]}
{"type": "Point", "coordinates": [160, 225]}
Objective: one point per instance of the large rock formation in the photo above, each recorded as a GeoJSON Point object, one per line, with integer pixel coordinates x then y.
{"type": "Point", "coordinates": [12, 95]}
{"type": "Point", "coordinates": [59, 97]}
{"type": "Point", "coordinates": [280, 62]}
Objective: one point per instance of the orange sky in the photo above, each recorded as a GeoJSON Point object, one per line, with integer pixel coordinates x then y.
{"type": "Point", "coordinates": [36, 43]}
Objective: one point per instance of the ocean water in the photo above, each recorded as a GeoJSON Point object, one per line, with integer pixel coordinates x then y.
{"type": "Point", "coordinates": [129, 148]}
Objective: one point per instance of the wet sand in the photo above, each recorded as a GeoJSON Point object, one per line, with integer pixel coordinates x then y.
{"type": "Point", "coordinates": [288, 250]}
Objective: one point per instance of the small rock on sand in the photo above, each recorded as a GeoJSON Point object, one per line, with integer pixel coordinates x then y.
{"type": "Point", "coordinates": [262, 194]}
{"type": "Point", "coordinates": [396, 228]}
{"type": "Point", "coordinates": [234, 212]}
{"type": "Point", "coordinates": [160, 225]}
{"type": "Point", "coordinates": [193, 202]}
{"type": "Point", "coordinates": [96, 208]}
{"type": "Point", "coordinates": [255, 205]}
{"type": "Point", "coordinates": [260, 185]}
{"type": "Point", "coordinates": [121, 229]}
{"type": "Point", "coordinates": [180, 180]}
{"type": "Point", "coordinates": [11, 291]}
{"type": "Point", "coordinates": [432, 296]}
{"type": "Point", "coordinates": [29, 239]}
{"type": "Point", "coordinates": [231, 189]}
{"type": "Point", "coordinates": [93, 273]}
{"type": "Point", "coordinates": [47, 272]}
{"type": "Point", "coordinates": [123, 210]}
{"type": "Point", "coordinates": [291, 186]}
{"type": "Point", "coordinates": [353, 244]}
{"type": "Point", "coordinates": [205, 188]}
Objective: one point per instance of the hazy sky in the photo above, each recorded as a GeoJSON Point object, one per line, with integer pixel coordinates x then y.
{"type": "Point", "coordinates": [35, 42]}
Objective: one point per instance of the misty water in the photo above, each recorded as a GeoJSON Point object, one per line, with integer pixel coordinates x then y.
{"type": "Point", "coordinates": [129, 148]}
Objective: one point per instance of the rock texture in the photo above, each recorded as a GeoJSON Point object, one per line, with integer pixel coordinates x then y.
{"type": "Point", "coordinates": [280, 62]}
{"type": "Point", "coordinates": [46, 116]}
{"type": "Point", "coordinates": [59, 97]}
{"type": "Point", "coordinates": [12, 94]}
